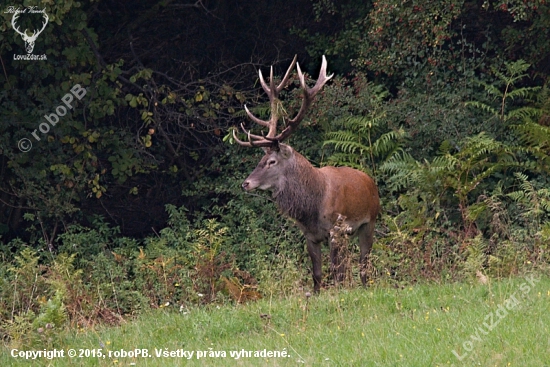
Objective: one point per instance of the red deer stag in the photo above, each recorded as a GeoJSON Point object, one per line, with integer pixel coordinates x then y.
{"type": "Point", "coordinates": [312, 196]}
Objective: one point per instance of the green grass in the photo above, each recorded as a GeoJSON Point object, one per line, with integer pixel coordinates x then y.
{"type": "Point", "coordinates": [419, 325]}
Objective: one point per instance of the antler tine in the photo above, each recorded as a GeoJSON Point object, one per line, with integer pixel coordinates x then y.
{"type": "Point", "coordinates": [273, 91]}
{"type": "Point", "coordinates": [273, 95]}
{"type": "Point", "coordinates": [252, 136]}
{"type": "Point", "coordinates": [253, 140]}
{"type": "Point", "coordinates": [286, 78]}
{"type": "Point", "coordinates": [270, 92]}
{"type": "Point", "coordinates": [45, 23]}
{"type": "Point", "coordinates": [309, 95]}
{"type": "Point", "coordinates": [255, 119]}
{"type": "Point", "coordinates": [321, 81]}
{"type": "Point", "coordinates": [13, 19]}
{"type": "Point", "coordinates": [240, 142]}
{"type": "Point", "coordinates": [266, 88]}
{"type": "Point", "coordinates": [37, 32]}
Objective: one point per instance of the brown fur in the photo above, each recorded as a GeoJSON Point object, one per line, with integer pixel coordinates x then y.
{"type": "Point", "coordinates": [314, 197]}
{"type": "Point", "coordinates": [301, 193]}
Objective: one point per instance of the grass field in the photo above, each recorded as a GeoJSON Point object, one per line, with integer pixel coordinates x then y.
{"type": "Point", "coordinates": [501, 323]}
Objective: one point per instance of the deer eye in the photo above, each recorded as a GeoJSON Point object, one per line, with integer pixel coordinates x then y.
{"type": "Point", "coordinates": [271, 162]}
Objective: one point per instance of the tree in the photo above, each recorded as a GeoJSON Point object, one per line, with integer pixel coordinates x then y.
{"type": "Point", "coordinates": [162, 80]}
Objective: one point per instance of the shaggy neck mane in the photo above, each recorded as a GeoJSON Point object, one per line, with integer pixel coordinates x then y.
{"type": "Point", "coordinates": [301, 192]}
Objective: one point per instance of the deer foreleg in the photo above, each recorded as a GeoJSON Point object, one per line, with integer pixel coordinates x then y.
{"type": "Point", "coordinates": [314, 250]}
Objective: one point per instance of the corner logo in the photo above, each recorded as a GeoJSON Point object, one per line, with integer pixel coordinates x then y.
{"type": "Point", "coordinates": [28, 39]}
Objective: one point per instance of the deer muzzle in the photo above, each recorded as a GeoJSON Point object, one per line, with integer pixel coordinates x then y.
{"type": "Point", "coordinates": [251, 184]}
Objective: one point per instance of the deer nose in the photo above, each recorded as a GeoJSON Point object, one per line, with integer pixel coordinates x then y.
{"type": "Point", "coordinates": [245, 185]}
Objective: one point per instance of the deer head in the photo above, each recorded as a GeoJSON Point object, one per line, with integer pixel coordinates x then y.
{"type": "Point", "coordinates": [29, 40]}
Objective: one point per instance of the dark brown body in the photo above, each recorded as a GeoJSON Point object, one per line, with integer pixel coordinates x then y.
{"type": "Point", "coordinates": [314, 197]}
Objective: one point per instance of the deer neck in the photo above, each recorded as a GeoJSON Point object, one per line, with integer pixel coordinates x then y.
{"type": "Point", "coordinates": [300, 193]}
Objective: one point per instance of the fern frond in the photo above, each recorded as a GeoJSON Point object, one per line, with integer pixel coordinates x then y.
{"type": "Point", "coordinates": [362, 124]}
{"type": "Point", "coordinates": [342, 135]}
{"type": "Point", "coordinates": [517, 67]}
{"type": "Point", "coordinates": [442, 163]}
{"type": "Point", "coordinates": [533, 134]}
{"type": "Point", "coordinates": [399, 161]}
{"type": "Point", "coordinates": [514, 72]}
{"type": "Point", "coordinates": [349, 147]}
{"type": "Point", "coordinates": [525, 113]}
{"type": "Point", "coordinates": [402, 170]}
{"type": "Point", "coordinates": [342, 159]}
{"type": "Point", "coordinates": [482, 106]}
{"type": "Point", "coordinates": [388, 143]}
{"type": "Point", "coordinates": [492, 90]}
{"type": "Point", "coordinates": [445, 147]}
{"type": "Point", "coordinates": [522, 92]}
{"type": "Point", "coordinates": [361, 139]}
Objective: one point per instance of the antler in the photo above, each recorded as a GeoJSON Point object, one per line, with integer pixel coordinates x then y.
{"type": "Point", "coordinates": [273, 93]}
{"type": "Point", "coordinates": [29, 40]}
{"type": "Point", "coordinates": [46, 18]}
{"type": "Point", "coordinates": [13, 19]}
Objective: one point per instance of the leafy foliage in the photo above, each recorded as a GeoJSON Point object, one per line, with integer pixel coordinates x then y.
{"type": "Point", "coordinates": [535, 135]}
{"type": "Point", "coordinates": [504, 93]}
{"type": "Point", "coordinates": [361, 141]}
{"type": "Point", "coordinates": [535, 202]}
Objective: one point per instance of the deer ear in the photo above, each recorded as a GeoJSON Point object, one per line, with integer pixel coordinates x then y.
{"type": "Point", "coordinates": [285, 150]}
